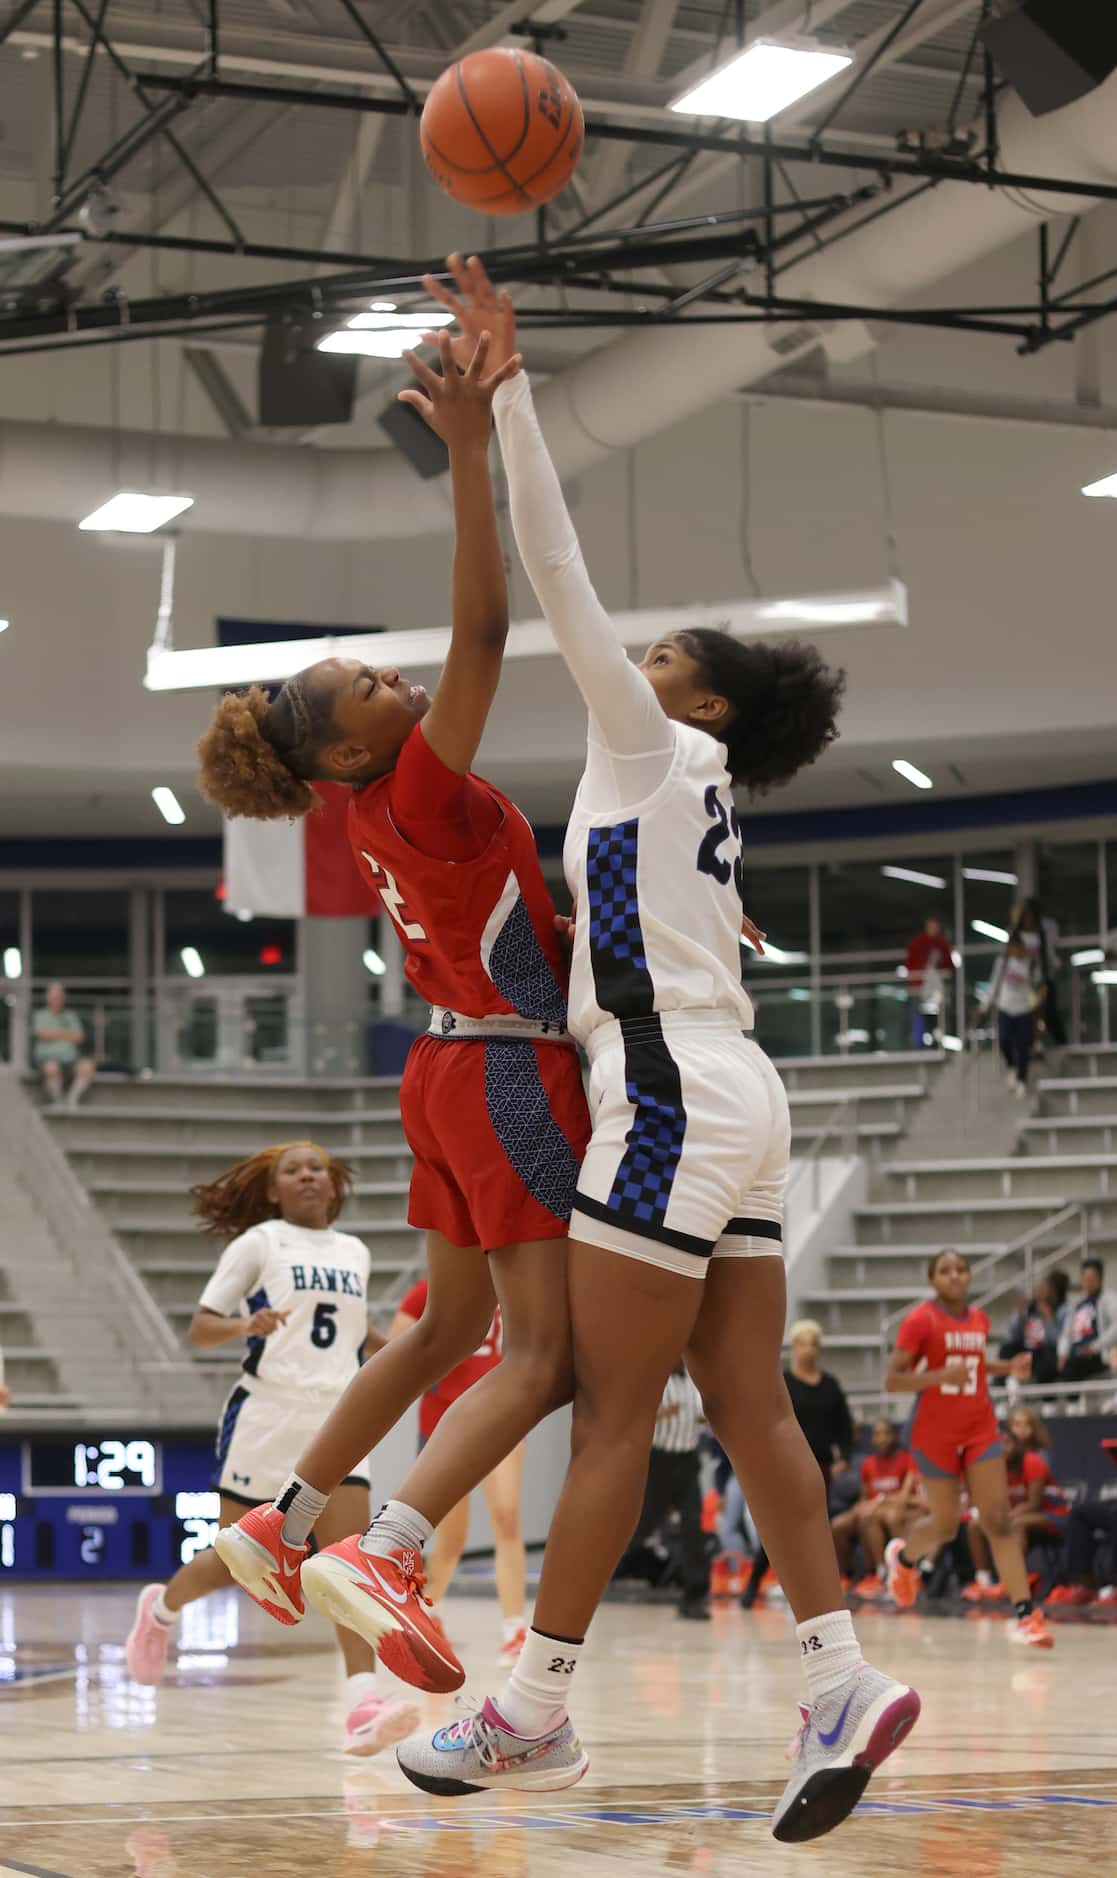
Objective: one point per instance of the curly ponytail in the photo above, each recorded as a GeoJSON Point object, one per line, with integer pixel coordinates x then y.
{"type": "Point", "coordinates": [256, 755]}
{"type": "Point", "coordinates": [241, 1196]}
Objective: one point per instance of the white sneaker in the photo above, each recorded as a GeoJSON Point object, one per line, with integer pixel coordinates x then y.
{"type": "Point", "coordinates": [844, 1739]}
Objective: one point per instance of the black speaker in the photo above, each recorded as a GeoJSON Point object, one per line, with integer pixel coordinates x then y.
{"type": "Point", "coordinates": [297, 385]}
{"type": "Point", "coordinates": [1054, 51]}
{"type": "Point", "coordinates": [414, 438]}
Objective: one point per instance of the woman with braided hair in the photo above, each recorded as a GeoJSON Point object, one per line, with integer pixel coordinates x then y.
{"type": "Point", "coordinates": [294, 1290]}
{"type": "Point", "coordinates": [491, 1100]}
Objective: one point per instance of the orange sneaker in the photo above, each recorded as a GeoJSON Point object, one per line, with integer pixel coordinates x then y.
{"type": "Point", "coordinates": [868, 1587]}
{"type": "Point", "coordinates": [256, 1554]}
{"type": "Point", "coordinates": [1033, 1631]}
{"type": "Point", "coordinates": [380, 1596]}
{"type": "Point", "coordinates": [904, 1582]}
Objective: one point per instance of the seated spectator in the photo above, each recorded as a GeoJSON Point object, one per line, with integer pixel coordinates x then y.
{"type": "Point", "coordinates": [886, 1502]}
{"type": "Point", "coordinates": [58, 1048]}
{"type": "Point", "coordinates": [1037, 1326]}
{"type": "Point", "coordinates": [1038, 1505]}
{"type": "Point", "coordinates": [1090, 1329]}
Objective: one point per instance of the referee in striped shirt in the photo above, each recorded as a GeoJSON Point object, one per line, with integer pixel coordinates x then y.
{"type": "Point", "coordinates": [674, 1482]}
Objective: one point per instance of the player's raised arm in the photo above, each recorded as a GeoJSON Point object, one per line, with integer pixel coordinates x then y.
{"type": "Point", "coordinates": [458, 406]}
{"type": "Point", "coordinates": [621, 702]}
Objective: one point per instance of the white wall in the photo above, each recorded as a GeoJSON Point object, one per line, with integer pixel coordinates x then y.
{"type": "Point", "coordinates": [1011, 573]}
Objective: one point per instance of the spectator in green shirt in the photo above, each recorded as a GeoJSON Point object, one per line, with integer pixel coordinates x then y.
{"type": "Point", "coordinates": [58, 1048]}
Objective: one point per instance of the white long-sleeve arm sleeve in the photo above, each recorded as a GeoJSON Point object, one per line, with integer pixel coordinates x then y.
{"type": "Point", "coordinates": [631, 742]}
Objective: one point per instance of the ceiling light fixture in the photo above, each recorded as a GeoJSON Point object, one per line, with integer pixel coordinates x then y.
{"type": "Point", "coordinates": [133, 513]}
{"type": "Point", "coordinates": [168, 804]}
{"type": "Point", "coordinates": [192, 962]}
{"type": "Point", "coordinates": [4, 624]}
{"type": "Point", "coordinates": [1104, 978]}
{"type": "Point", "coordinates": [1106, 487]}
{"type": "Point", "coordinates": [911, 873]}
{"type": "Point", "coordinates": [1093, 955]}
{"type": "Point", "coordinates": [425, 649]}
{"type": "Point", "coordinates": [13, 962]}
{"type": "Point", "coordinates": [384, 332]}
{"type": "Point", "coordinates": [917, 777]}
{"type": "Point", "coordinates": [764, 79]}
{"type": "Point", "coordinates": [991, 874]}
{"type": "Point", "coordinates": [374, 963]}
{"type": "Point", "coordinates": [989, 931]}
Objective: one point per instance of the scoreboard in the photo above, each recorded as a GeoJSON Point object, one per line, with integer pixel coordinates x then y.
{"type": "Point", "coordinates": [108, 1504]}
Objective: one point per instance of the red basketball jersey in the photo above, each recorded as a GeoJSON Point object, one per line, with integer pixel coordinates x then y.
{"type": "Point", "coordinates": [883, 1474]}
{"type": "Point", "coordinates": [1032, 1466]}
{"type": "Point", "coordinates": [433, 1405]}
{"type": "Point", "coordinates": [479, 934]}
{"type": "Point", "coordinates": [932, 1335]}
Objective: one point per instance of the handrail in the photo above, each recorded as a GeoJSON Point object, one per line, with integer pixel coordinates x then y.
{"type": "Point", "coordinates": [871, 1399]}
{"type": "Point", "coordinates": [844, 1111]}
{"type": "Point", "coordinates": [1066, 1211]}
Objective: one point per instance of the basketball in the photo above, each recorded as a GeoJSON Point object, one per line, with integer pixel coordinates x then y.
{"type": "Point", "coordinates": [502, 131]}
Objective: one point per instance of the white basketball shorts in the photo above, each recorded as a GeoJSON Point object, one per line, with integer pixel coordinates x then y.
{"type": "Point", "coordinates": [691, 1140]}
{"type": "Point", "coordinates": [260, 1436]}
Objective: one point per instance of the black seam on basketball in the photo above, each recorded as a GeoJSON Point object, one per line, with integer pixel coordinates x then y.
{"type": "Point", "coordinates": [519, 190]}
{"type": "Point", "coordinates": [500, 163]}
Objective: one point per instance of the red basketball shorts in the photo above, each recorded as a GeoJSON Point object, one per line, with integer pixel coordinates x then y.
{"type": "Point", "coordinates": [498, 1127]}
{"type": "Point", "coordinates": [944, 1453]}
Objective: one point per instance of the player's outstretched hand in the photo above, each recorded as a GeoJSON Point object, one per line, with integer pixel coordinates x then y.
{"type": "Point", "coordinates": [477, 309]}
{"type": "Point", "coordinates": [263, 1323]}
{"type": "Point", "coordinates": [458, 405]}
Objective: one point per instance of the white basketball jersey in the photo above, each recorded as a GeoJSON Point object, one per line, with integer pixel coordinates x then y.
{"type": "Point", "coordinates": [320, 1278]}
{"type": "Point", "coordinates": [658, 893]}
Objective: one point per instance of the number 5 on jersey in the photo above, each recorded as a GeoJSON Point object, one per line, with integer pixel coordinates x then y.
{"type": "Point", "coordinates": [392, 899]}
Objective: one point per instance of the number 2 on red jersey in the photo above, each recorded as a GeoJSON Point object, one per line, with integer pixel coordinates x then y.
{"type": "Point", "coordinates": [392, 899]}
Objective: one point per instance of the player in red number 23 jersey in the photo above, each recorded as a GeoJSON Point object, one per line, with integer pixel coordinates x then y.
{"type": "Point", "coordinates": [940, 1356]}
{"type": "Point", "coordinates": [492, 1099]}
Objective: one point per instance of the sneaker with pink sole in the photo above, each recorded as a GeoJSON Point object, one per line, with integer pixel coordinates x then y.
{"type": "Point", "coordinates": [145, 1652]}
{"type": "Point", "coordinates": [378, 1722]}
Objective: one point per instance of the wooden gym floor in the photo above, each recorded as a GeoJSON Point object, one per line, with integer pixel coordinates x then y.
{"type": "Point", "coordinates": [233, 1767]}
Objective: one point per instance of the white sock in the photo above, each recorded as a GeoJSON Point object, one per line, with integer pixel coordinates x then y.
{"type": "Point", "coordinates": [359, 1686]}
{"type": "Point", "coordinates": [984, 1578]}
{"type": "Point", "coordinates": [160, 1612]}
{"type": "Point", "coordinates": [534, 1700]}
{"type": "Point", "coordinates": [513, 1627]}
{"type": "Point", "coordinates": [831, 1653]}
{"type": "Point", "coordinates": [397, 1528]}
{"type": "Point", "coordinates": [301, 1505]}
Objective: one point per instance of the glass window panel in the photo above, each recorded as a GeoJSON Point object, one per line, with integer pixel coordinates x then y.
{"type": "Point", "coordinates": [1068, 885]}
{"type": "Point", "coordinates": [863, 1013]}
{"type": "Point", "coordinates": [988, 900]}
{"type": "Point", "coordinates": [866, 909]}
{"type": "Point", "coordinates": [783, 1019]}
{"type": "Point", "coordinates": [79, 932]}
{"type": "Point", "coordinates": [193, 916]}
{"type": "Point", "coordinates": [779, 900]}
{"type": "Point", "coordinates": [1111, 894]}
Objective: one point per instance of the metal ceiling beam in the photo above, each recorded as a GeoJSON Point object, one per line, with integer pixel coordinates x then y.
{"type": "Point", "coordinates": [342, 221]}
{"type": "Point", "coordinates": [642, 60]}
{"type": "Point", "coordinates": [925, 26]}
{"type": "Point", "coordinates": [219, 390]}
{"type": "Point", "coordinates": [546, 13]}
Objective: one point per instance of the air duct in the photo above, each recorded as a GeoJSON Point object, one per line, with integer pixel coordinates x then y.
{"type": "Point", "coordinates": [610, 400]}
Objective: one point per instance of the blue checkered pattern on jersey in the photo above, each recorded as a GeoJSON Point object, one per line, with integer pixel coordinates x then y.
{"type": "Point", "coordinates": [653, 1149]}
{"type": "Point", "coordinates": [520, 1113]}
{"type": "Point", "coordinates": [521, 970]}
{"type": "Point", "coordinates": [611, 855]}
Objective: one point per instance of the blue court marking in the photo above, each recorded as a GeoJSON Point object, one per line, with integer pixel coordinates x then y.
{"type": "Point", "coordinates": [713, 1813]}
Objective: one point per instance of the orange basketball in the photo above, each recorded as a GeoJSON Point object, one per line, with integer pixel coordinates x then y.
{"type": "Point", "coordinates": [502, 131]}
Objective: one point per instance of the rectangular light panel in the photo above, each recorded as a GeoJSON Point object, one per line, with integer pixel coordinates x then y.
{"type": "Point", "coordinates": [133, 513]}
{"type": "Point", "coordinates": [763, 80]}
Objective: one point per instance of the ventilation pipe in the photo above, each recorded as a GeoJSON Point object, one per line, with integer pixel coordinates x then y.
{"type": "Point", "coordinates": [627, 391]}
